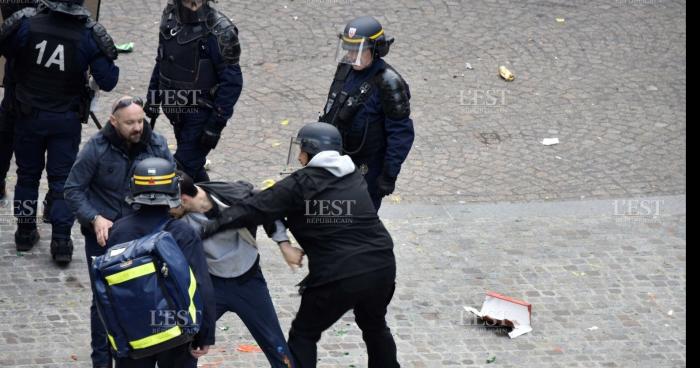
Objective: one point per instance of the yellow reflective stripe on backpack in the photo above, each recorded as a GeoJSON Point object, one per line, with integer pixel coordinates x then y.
{"type": "Point", "coordinates": [111, 341]}
{"type": "Point", "coordinates": [130, 274]}
{"type": "Point", "coordinates": [192, 289]}
{"type": "Point", "coordinates": [156, 339]}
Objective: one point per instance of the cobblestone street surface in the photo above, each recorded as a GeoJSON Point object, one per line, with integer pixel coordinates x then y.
{"type": "Point", "coordinates": [591, 231]}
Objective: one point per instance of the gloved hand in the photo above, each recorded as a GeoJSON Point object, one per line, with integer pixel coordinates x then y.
{"type": "Point", "coordinates": [386, 184]}
{"type": "Point", "coordinates": [152, 111]}
{"type": "Point", "coordinates": [212, 133]}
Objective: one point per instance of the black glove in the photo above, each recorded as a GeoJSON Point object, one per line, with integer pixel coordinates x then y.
{"type": "Point", "coordinates": [211, 134]}
{"type": "Point", "coordinates": [152, 111]}
{"type": "Point", "coordinates": [386, 184]}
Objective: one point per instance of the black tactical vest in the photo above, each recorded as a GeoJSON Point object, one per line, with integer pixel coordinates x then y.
{"type": "Point", "coordinates": [50, 76]}
{"type": "Point", "coordinates": [183, 56]}
{"type": "Point", "coordinates": [365, 141]}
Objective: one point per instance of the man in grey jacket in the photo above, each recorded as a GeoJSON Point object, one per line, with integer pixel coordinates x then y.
{"type": "Point", "coordinates": [234, 263]}
{"type": "Point", "coordinates": [98, 185]}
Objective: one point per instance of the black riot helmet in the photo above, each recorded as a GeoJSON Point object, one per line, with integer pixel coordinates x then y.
{"type": "Point", "coordinates": [70, 7]}
{"type": "Point", "coordinates": [185, 13]}
{"type": "Point", "coordinates": [360, 34]}
{"type": "Point", "coordinates": [314, 138]}
{"type": "Point", "coordinates": [155, 183]}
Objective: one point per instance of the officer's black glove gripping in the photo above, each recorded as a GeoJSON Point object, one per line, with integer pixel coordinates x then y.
{"type": "Point", "coordinates": [386, 184]}
{"type": "Point", "coordinates": [212, 133]}
{"type": "Point", "coordinates": [152, 111]}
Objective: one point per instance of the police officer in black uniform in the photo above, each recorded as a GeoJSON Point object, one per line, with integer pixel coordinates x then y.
{"type": "Point", "coordinates": [369, 103]}
{"type": "Point", "coordinates": [7, 123]}
{"type": "Point", "coordinates": [351, 254]}
{"type": "Point", "coordinates": [53, 47]}
{"type": "Point", "coordinates": [197, 79]}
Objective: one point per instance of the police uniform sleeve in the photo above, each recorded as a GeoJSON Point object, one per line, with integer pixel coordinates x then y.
{"type": "Point", "coordinates": [102, 66]}
{"type": "Point", "coordinates": [225, 51]}
{"type": "Point", "coordinates": [9, 30]}
{"type": "Point", "coordinates": [395, 99]}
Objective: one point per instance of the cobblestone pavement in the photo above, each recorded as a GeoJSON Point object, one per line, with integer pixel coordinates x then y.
{"type": "Point", "coordinates": [609, 82]}
{"type": "Point", "coordinates": [581, 264]}
{"type": "Point", "coordinates": [608, 79]}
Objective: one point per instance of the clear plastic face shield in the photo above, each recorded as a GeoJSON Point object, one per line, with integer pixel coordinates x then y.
{"type": "Point", "coordinates": [350, 50]}
{"type": "Point", "coordinates": [293, 155]}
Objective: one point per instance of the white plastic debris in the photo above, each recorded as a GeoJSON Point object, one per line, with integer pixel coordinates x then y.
{"type": "Point", "coordinates": [594, 328]}
{"type": "Point", "coordinates": [469, 66]}
{"type": "Point", "coordinates": [550, 141]}
{"type": "Point", "coordinates": [505, 311]}
{"type": "Point", "coordinates": [670, 313]}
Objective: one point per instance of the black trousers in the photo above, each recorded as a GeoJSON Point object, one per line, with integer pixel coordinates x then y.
{"type": "Point", "coordinates": [6, 139]}
{"type": "Point", "coordinates": [368, 296]}
{"type": "Point", "coordinates": [173, 358]}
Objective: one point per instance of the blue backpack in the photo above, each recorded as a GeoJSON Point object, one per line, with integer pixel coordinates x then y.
{"type": "Point", "coordinates": [146, 295]}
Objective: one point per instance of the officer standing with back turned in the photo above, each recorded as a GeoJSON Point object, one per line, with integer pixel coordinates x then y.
{"type": "Point", "coordinates": [53, 49]}
{"type": "Point", "coordinates": [369, 104]}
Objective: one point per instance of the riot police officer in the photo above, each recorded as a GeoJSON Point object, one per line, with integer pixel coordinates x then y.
{"type": "Point", "coordinates": [196, 80]}
{"type": "Point", "coordinates": [53, 48]}
{"type": "Point", "coordinates": [369, 103]}
{"type": "Point", "coordinates": [6, 119]}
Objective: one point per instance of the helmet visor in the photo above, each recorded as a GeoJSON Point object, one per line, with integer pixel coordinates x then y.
{"type": "Point", "coordinates": [350, 50]}
{"type": "Point", "coordinates": [293, 155]}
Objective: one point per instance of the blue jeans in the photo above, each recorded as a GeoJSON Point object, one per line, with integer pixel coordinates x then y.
{"type": "Point", "coordinates": [249, 297]}
{"type": "Point", "coordinates": [56, 136]}
{"type": "Point", "coordinates": [101, 355]}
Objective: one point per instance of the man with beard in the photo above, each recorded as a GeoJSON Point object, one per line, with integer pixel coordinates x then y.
{"type": "Point", "coordinates": [99, 183]}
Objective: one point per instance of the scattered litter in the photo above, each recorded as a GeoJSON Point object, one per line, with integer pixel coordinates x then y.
{"type": "Point", "coordinates": [579, 274]}
{"type": "Point", "coordinates": [224, 328]}
{"type": "Point", "coordinates": [504, 311]}
{"type": "Point", "coordinates": [506, 74]}
{"type": "Point", "coordinates": [561, 20]}
{"type": "Point", "coordinates": [249, 349]}
{"type": "Point", "coordinates": [594, 328]}
{"type": "Point", "coordinates": [469, 66]}
{"type": "Point", "coordinates": [550, 141]}
{"type": "Point", "coordinates": [285, 122]}
{"type": "Point", "coordinates": [558, 158]}
{"type": "Point", "coordinates": [670, 313]}
{"type": "Point", "coordinates": [207, 165]}
{"type": "Point", "coordinates": [491, 360]}
{"type": "Point", "coordinates": [395, 198]}
{"type": "Point", "coordinates": [267, 184]}
{"type": "Point", "coordinates": [74, 357]}
{"type": "Point", "coordinates": [125, 47]}
{"type": "Point", "coordinates": [276, 144]}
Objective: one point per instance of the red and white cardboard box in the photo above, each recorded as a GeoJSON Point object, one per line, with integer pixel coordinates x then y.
{"type": "Point", "coordinates": [506, 311]}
